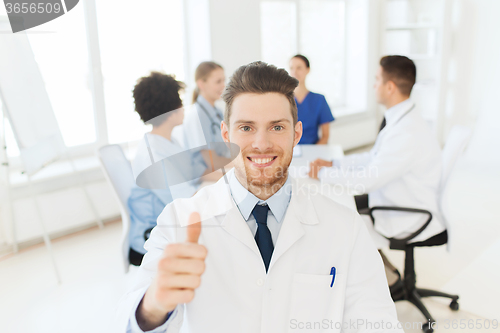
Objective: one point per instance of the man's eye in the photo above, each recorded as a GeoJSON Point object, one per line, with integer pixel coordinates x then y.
{"type": "Point", "coordinates": [278, 128]}
{"type": "Point", "coordinates": [245, 128]}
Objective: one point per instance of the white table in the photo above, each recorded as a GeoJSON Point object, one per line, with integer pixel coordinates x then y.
{"type": "Point", "coordinates": [299, 168]}
{"type": "Point", "coordinates": [304, 154]}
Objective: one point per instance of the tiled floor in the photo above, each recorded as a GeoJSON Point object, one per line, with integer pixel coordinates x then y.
{"type": "Point", "coordinates": [93, 282]}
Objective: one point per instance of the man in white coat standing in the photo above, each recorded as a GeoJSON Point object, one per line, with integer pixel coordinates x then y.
{"type": "Point", "coordinates": [268, 256]}
{"type": "Point", "coordinates": [402, 169]}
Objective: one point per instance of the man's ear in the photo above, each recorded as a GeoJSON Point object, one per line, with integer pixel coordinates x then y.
{"type": "Point", "coordinates": [391, 87]}
{"type": "Point", "coordinates": [224, 129]}
{"type": "Point", "coordinates": [298, 133]}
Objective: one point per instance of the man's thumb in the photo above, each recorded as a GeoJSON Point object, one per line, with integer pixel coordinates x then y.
{"type": "Point", "coordinates": [193, 228]}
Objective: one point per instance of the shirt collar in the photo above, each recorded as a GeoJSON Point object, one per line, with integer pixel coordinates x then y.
{"type": "Point", "coordinates": [246, 201]}
{"type": "Point", "coordinates": [397, 111]}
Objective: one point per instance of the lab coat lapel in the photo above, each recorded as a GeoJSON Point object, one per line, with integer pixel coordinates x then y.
{"type": "Point", "coordinates": [300, 211]}
{"type": "Point", "coordinates": [236, 226]}
{"type": "Point", "coordinates": [220, 203]}
{"type": "Point", "coordinates": [390, 125]}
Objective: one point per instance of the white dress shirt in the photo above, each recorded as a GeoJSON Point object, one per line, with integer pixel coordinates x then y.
{"type": "Point", "coordinates": [246, 201]}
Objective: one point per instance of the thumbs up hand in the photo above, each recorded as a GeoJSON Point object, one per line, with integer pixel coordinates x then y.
{"type": "Point", "coordinates": [179, 274]}
{"type": "Point", "coordinates": [194, 228]}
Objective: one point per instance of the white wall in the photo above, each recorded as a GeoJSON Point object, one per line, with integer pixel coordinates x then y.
{"type": "Point", "coordinates": [483, 89]}
{"type": "Point", "coordinates": [62, 210]}
{"type": "Point", "coordinates": [235, 32]}
{"type": "Point", "coordinates": [63, 206]}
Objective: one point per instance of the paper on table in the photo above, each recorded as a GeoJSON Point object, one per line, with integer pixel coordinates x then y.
{"type": "Point", "coordinates": [297, 151]}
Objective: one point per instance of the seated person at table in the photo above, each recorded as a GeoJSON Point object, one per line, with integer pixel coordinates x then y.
{"type": "Point", "coordinates": [402, 169]}
{"type": "Point", "coordinates": [158, 103]}
{"type": "Point", "coordinates": [314, 112]}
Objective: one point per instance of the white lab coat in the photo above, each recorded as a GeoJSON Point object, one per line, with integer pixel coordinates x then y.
{"type": "Point", "coordinates": [402, 169]}
{"type": "Point", "coordinates": [236, 294]}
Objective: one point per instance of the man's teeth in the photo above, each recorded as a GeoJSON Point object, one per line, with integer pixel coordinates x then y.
{"type": "Point", "coordinates": [262, 160]}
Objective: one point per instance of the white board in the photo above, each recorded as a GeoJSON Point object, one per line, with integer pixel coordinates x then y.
{"type": "Point", "coordinates": [24, 97]}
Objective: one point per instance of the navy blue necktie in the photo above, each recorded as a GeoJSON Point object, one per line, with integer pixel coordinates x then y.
{"type": "Point", "coordinates": [263, 235]}
{"type": "Point", "coordinates": [382, 125]}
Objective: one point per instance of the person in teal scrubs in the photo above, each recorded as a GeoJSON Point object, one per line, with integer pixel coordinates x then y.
{"type": "Point", "coordinates": [313, 110]}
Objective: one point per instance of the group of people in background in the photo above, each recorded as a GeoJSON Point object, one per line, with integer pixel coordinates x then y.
{"type": "Point", "coordinates": [406, 156]}
{"type": "Point", "coordinates": [403, 169]}
{"type": "Point", "coordinates": [158, 102]}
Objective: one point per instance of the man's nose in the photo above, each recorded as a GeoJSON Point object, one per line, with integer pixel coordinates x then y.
{"type": "Point", "coordinates": [262, 141]}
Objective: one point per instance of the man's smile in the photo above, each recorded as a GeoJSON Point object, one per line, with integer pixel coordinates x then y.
{"type": "Point", "coordinates": [262, 161]}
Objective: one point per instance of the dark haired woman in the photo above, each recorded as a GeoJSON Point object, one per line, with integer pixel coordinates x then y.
{"type": "Point", "coordinates": [314, 112]}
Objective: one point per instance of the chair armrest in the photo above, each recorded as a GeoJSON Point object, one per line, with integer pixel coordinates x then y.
{"type": "Point", "coordinates": [400, 243]}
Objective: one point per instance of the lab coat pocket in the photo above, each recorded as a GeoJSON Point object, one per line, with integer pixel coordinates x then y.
{"type": "Point", "coordinates": [315, 306]}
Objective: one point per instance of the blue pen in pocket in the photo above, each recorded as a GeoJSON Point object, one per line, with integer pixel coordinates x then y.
{"type": "Point", "coordinates": [332, 273]}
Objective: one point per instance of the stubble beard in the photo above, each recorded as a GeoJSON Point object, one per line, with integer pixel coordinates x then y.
{"type": "Point", "coordinates": [263, 184]}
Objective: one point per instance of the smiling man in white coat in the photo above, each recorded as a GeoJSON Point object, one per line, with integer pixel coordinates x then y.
{"type": "Point", "coordinates": [268, 255]}
{"type": "Point", "coordinates": [402, 169]}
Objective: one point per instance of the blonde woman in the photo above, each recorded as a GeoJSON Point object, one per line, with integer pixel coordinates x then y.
{"type": "Point", "coordinates": [210, 83]}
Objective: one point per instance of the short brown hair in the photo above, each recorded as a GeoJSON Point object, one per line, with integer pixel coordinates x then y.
{"type": "Point", "coordinates": [400, 70]}
{"type": "Point", "coordinates": [260, 78]}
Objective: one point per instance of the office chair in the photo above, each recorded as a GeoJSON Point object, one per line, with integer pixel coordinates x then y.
{"type": "Point", "coordinates": [118, 172]}
{"type": "Point", "coordinates": [455, 144]}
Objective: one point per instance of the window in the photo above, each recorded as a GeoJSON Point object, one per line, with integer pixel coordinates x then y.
{"type": "Point", "coordinates": [322, 38]}
{"type": "Point", "coordinates": [133, 41]}
{"type": "Point", "coordinates": [60, 49]}
{"type": "Point", "coordinates": [314, 28]}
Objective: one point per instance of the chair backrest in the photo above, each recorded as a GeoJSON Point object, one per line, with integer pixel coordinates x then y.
{"type": "Point", "coordinates": [118, 172]}
{"type": "Point", "coordinates": [455, 144]}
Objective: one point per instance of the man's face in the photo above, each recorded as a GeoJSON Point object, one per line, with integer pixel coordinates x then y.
{"type": "Point", "coordinates": [262, 126]}
{"type": "Point", "coordinates": [381, 88]}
